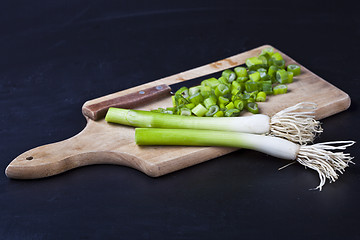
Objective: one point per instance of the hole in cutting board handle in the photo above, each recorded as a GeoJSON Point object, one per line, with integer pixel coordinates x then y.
{"type": "Point", "coordinates": [29, 158]}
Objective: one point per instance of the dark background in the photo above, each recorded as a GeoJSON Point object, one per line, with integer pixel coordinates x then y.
{"type": "Point", "coordinates": [55, 55]}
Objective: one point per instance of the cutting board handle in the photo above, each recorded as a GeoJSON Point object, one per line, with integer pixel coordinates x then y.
{"type": "Point", "coordinates": [96, 109]}
{"type": "Point", "coordinates": [80, 150]}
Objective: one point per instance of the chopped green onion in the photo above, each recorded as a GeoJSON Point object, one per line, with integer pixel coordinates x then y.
{"type": "Point", "coordinates": [266, 86]}
{"type": "Point", "coordinates": [246, 96]}
{"type": "Point", "coordinates": [183, 91]}
{"type": "Point", "coordinates": [264, 61]}
{"type": "Point", "coordinates": [190, 106]}
{"type": "Point", "coordinates": [290, 77]}
{"type": "Point", "coordinates": [295, 69]}
{"type": "Point", "coordinates": [277, 56]}
{"type": "Point", "coordinates": [211, 82]}
{"type": "Point", "coordinates": [254, 63]}
{"type": "Point", "coordinates": [239, 104]}
{"type": "Point", "coordinates": [229, 75]}
{"type": "Point", "coordinates": [208, 102]}
{"type": "Point", "coordinates": [223, 100]}
{"type": "Point", "coordinates": [251, 86]}
{"type": "Point", "coordinates": [168, 111]}
{"type": "Point", "coordinates": [279, 63]}
{"type": "Point", "coordinates": [205, 91]}
{"type": "Point", "coordinates": [240, 72]}
{"type": "Point", "coordinates": [178, 100]}
{"type": "Point", "coordinates": [196, 98]}
{"type": "Point", "coordinates": [261, 70]}
{"type": "Point", "coordinates": [282, 76]}
{"type": "Point", "coordinates": [223, 80]}
{"type": "Point", "coordinates": [255, 76]}
{"type": "Point", "coordinates": [236, 87]}
{"type": "Point", "coordinates": [199, 110]}
{"type": "Point", "coordinates": [242, 79]}
{"type": "Point", "coordinates": [241, 83]}
{"type": "Point", "coordinates": [272, 71]}
{"type": "Point", "coordinates": [221, 90]}
{"type": "Point", "coordinates": [280, 89]}
{"type": "Point", "coordinates": [233, 112]}
{"type": "Point", "coordinates": [230, 105]}
{"type": "Point", "coordinates": [212, 110]}
{"type": "Point", "coordinates": [268, 52]}
{"type": "Point", "coordinates": [219, 114]}
{"type": "Point", "coordinates": [261, 97]}
{"type": "Point", "coordinates": [194, 90]}
{"type": "Point", "coordinates": [252, 107]}
{"type": "Point", "coordinates": [254, 94]}
{"type": "Point", "coordinates": [185, 111]}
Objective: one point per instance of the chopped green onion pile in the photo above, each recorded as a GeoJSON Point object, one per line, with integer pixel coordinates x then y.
{"type": "Point", "coordinates": [236, 89]}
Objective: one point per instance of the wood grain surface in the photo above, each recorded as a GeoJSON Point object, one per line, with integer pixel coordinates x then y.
{"type": "Point", "coordinates": [104, 143]}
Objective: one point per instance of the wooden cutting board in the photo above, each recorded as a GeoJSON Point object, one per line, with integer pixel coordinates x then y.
{"type": "Point", "coordinates": [104, 143]}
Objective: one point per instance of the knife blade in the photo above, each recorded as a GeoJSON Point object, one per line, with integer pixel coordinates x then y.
{"type": "Point", "coordinates": [97, 111]}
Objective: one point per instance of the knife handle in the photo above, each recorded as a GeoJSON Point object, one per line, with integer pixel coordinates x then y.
{"type": "Point", "coordinates": [98, 110]}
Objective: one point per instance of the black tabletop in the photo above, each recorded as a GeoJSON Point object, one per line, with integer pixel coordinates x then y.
{"type": "Point", "coordinates": [55, 55]}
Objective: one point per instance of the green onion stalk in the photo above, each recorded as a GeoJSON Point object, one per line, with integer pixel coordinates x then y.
{"type": "Point", "coordinates": [296, 123]}
{"type": "Point", "coordinates": [318, 157]}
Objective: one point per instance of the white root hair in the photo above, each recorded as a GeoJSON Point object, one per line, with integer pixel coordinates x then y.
{"type": "Point", "coordinates": [296, 123]}
{"type": "Point", "coordinates": [327, 163]}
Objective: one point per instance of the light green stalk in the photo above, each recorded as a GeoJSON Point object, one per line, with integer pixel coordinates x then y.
{"type": "Point", "coordinates": [258, 124]}
{"type": "Point", "coordinates": [273, 146]}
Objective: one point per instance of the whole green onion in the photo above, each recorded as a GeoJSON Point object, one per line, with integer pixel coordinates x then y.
{"type": "Point", "coordinates": [317, 157]}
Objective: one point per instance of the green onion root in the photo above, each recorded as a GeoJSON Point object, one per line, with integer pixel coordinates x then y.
{"type": "Point", "coordinates": [328, 164]}
{"type": "Point", "coordinates": [296, 123]}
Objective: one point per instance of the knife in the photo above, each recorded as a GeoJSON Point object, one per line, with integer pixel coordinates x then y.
{"type": "Point", "coordinates": [97, 111]}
